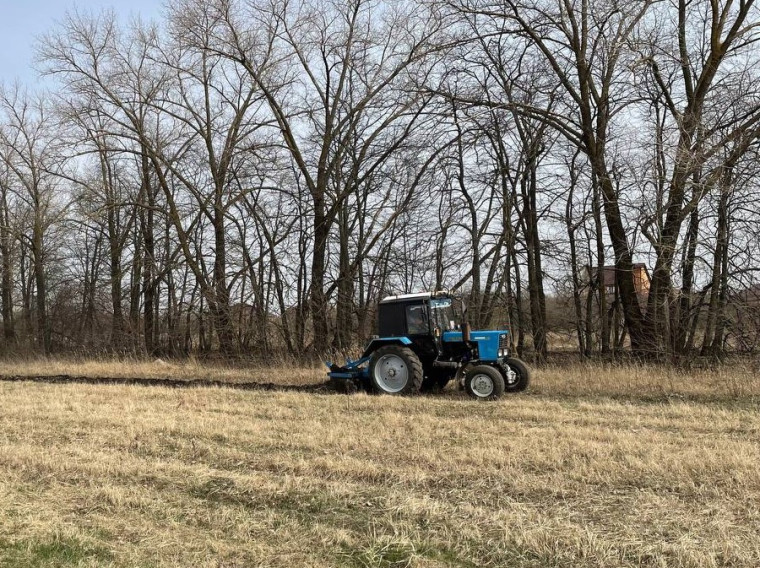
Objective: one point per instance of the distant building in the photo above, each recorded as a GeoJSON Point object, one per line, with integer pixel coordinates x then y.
{"type": "Point", "coordinates": [608, 281]}
{"type": "Point", "coordinates": [602, 283]}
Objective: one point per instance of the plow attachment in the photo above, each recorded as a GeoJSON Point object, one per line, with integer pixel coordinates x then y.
{"type": "Point", "coordinates": [352, 376]}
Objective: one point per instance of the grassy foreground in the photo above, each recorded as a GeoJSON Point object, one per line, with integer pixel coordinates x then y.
{"type": "Point", "coordinates": [592, 467]}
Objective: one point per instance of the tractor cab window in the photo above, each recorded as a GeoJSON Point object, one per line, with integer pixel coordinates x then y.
{"type": "Point", "coordinates": [416, 320]}
{"type": "Point", "coordinates": [443, 314]}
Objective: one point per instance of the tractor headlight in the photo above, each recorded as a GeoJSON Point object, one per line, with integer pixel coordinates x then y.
{"type": "Point", "coordinates": [502, 353]}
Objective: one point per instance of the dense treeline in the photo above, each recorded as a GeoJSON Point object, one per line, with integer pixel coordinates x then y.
{"type": "Point", "coordinates": [250, 177]}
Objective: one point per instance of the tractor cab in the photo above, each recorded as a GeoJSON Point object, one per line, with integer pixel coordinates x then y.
{"type": "Point", "coordinates": [417, 315]}
{"type": "Point", "coordinates": [420, 318]}
{"type": "Point", "coordinates": [408, 315]}
{"type": "Point", "coordinates": [423, 343]}
{"type": "Point", "coordinates": [434, 323]}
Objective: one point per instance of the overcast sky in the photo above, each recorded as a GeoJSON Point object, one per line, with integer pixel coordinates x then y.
{"type": "Point", "coordinates": [22, 21]}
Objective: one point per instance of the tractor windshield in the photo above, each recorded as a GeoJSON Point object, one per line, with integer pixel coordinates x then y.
{"type": "Point", "coordinates": [442, 313]}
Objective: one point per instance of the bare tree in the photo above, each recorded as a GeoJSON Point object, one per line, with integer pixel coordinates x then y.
{"type": "Point", "coordinates": [583, 44]}
{"type": "Point", "coordinates": [707, 84]}
{"type": "Point", "coordinates": [337, 78]}
{"type": "Point", "coordinates": [7, 240]}
{"type": "Point", "coordinates": [31, 154]}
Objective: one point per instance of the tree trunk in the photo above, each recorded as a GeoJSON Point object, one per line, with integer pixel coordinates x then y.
{"type": "Point", "coordinates": [576, 279]}
{"type": "Point", "coordinates": [517, 306]}
{"type": "Point", "coordinates": [117, 324]}
{"type": "Point", "coordinates": [221, 306]}
{"type": "Point", "coordinates": [44, 332]}
{"type": "Point", "coordinates": [318, 300]}
{"type": "Point", "coordinates": [148, 278]}
{"type": "Point", "coordinates": [680, 340]}
{"type": "Point", "coordinates": [533, 249]}
{"type": "Point", "coordinates": [599, 281]}
{"type": "Point", "coordinates": [713, 324]}
{"type": "Point", "coordinates": [6, 252]}
{"type": "Point", "coordinates": [344, 308]}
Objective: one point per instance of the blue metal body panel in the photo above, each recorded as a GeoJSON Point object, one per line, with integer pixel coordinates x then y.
{"type": "Point", "coordinates": [487, 342]}
{"type": "Point", "coordinates": [452, 336]}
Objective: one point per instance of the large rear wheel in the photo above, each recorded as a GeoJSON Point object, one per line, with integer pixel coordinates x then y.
{"type": "Point", "coordinates": [394, 369]}
{"type": "Point", "coordinates": [484, 382]}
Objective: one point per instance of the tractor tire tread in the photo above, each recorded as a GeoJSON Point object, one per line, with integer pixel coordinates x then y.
{"type": "Point", "coordinates": [495, 375]}
{"type": "Point", "coordinates": [523, 372]}
{"type": "Point", "coordinates": [416, 374]}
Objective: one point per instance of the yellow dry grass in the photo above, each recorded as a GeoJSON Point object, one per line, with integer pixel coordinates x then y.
{"type": "Point", "coordinates": [732, 383]}
{"type": "Point", "coordinates": [593, 467]}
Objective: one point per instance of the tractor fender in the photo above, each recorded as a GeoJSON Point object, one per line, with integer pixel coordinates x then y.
{"type": "Point", "coordinates": [378, 342]}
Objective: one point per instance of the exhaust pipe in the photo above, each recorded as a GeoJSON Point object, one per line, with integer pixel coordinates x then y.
{"type": "Point", "coordinates": [466, 329]}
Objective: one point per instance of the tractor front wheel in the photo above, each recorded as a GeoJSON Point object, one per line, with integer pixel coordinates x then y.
{"type": "Point", "coordinates": [394, 369]}
{"type": "Point", "coordinates": [516, 375]}
{"type": "Point", "coordinates": [484, 382]}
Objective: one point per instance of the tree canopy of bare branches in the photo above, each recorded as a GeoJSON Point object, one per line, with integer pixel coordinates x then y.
{"type": "Point", "coordinates": [251, 176]}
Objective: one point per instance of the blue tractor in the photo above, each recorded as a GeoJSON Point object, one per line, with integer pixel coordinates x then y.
{"type": "Point", "coordinates": [422, 346]}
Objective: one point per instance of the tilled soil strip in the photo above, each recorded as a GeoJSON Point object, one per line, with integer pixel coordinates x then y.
{"type": "Point", "coordinates": [167, 383]}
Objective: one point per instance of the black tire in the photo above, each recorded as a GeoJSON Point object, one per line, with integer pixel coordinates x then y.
{"type": "Point", "coordinates": [484, 382]}
{"type": "Point", "coordinates": [394, 369]}
{"type": "Point", "coordinates": [521, 378]}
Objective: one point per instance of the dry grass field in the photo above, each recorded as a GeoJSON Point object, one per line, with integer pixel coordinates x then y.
{"type": "Point", "coordinates": [593, 466]}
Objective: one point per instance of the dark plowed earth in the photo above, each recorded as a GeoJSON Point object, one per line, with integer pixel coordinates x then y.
{"type": "Point", "coordinates": [167, 383]}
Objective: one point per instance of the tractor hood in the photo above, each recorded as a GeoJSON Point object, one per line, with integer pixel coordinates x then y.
{"type": "Point", "coordinates": [485, 335]}
{"type": "Point", "coordinates": [492, 344]}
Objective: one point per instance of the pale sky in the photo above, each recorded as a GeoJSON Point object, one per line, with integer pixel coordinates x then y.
{"type": "Point", "coordinates": [22, 21]}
